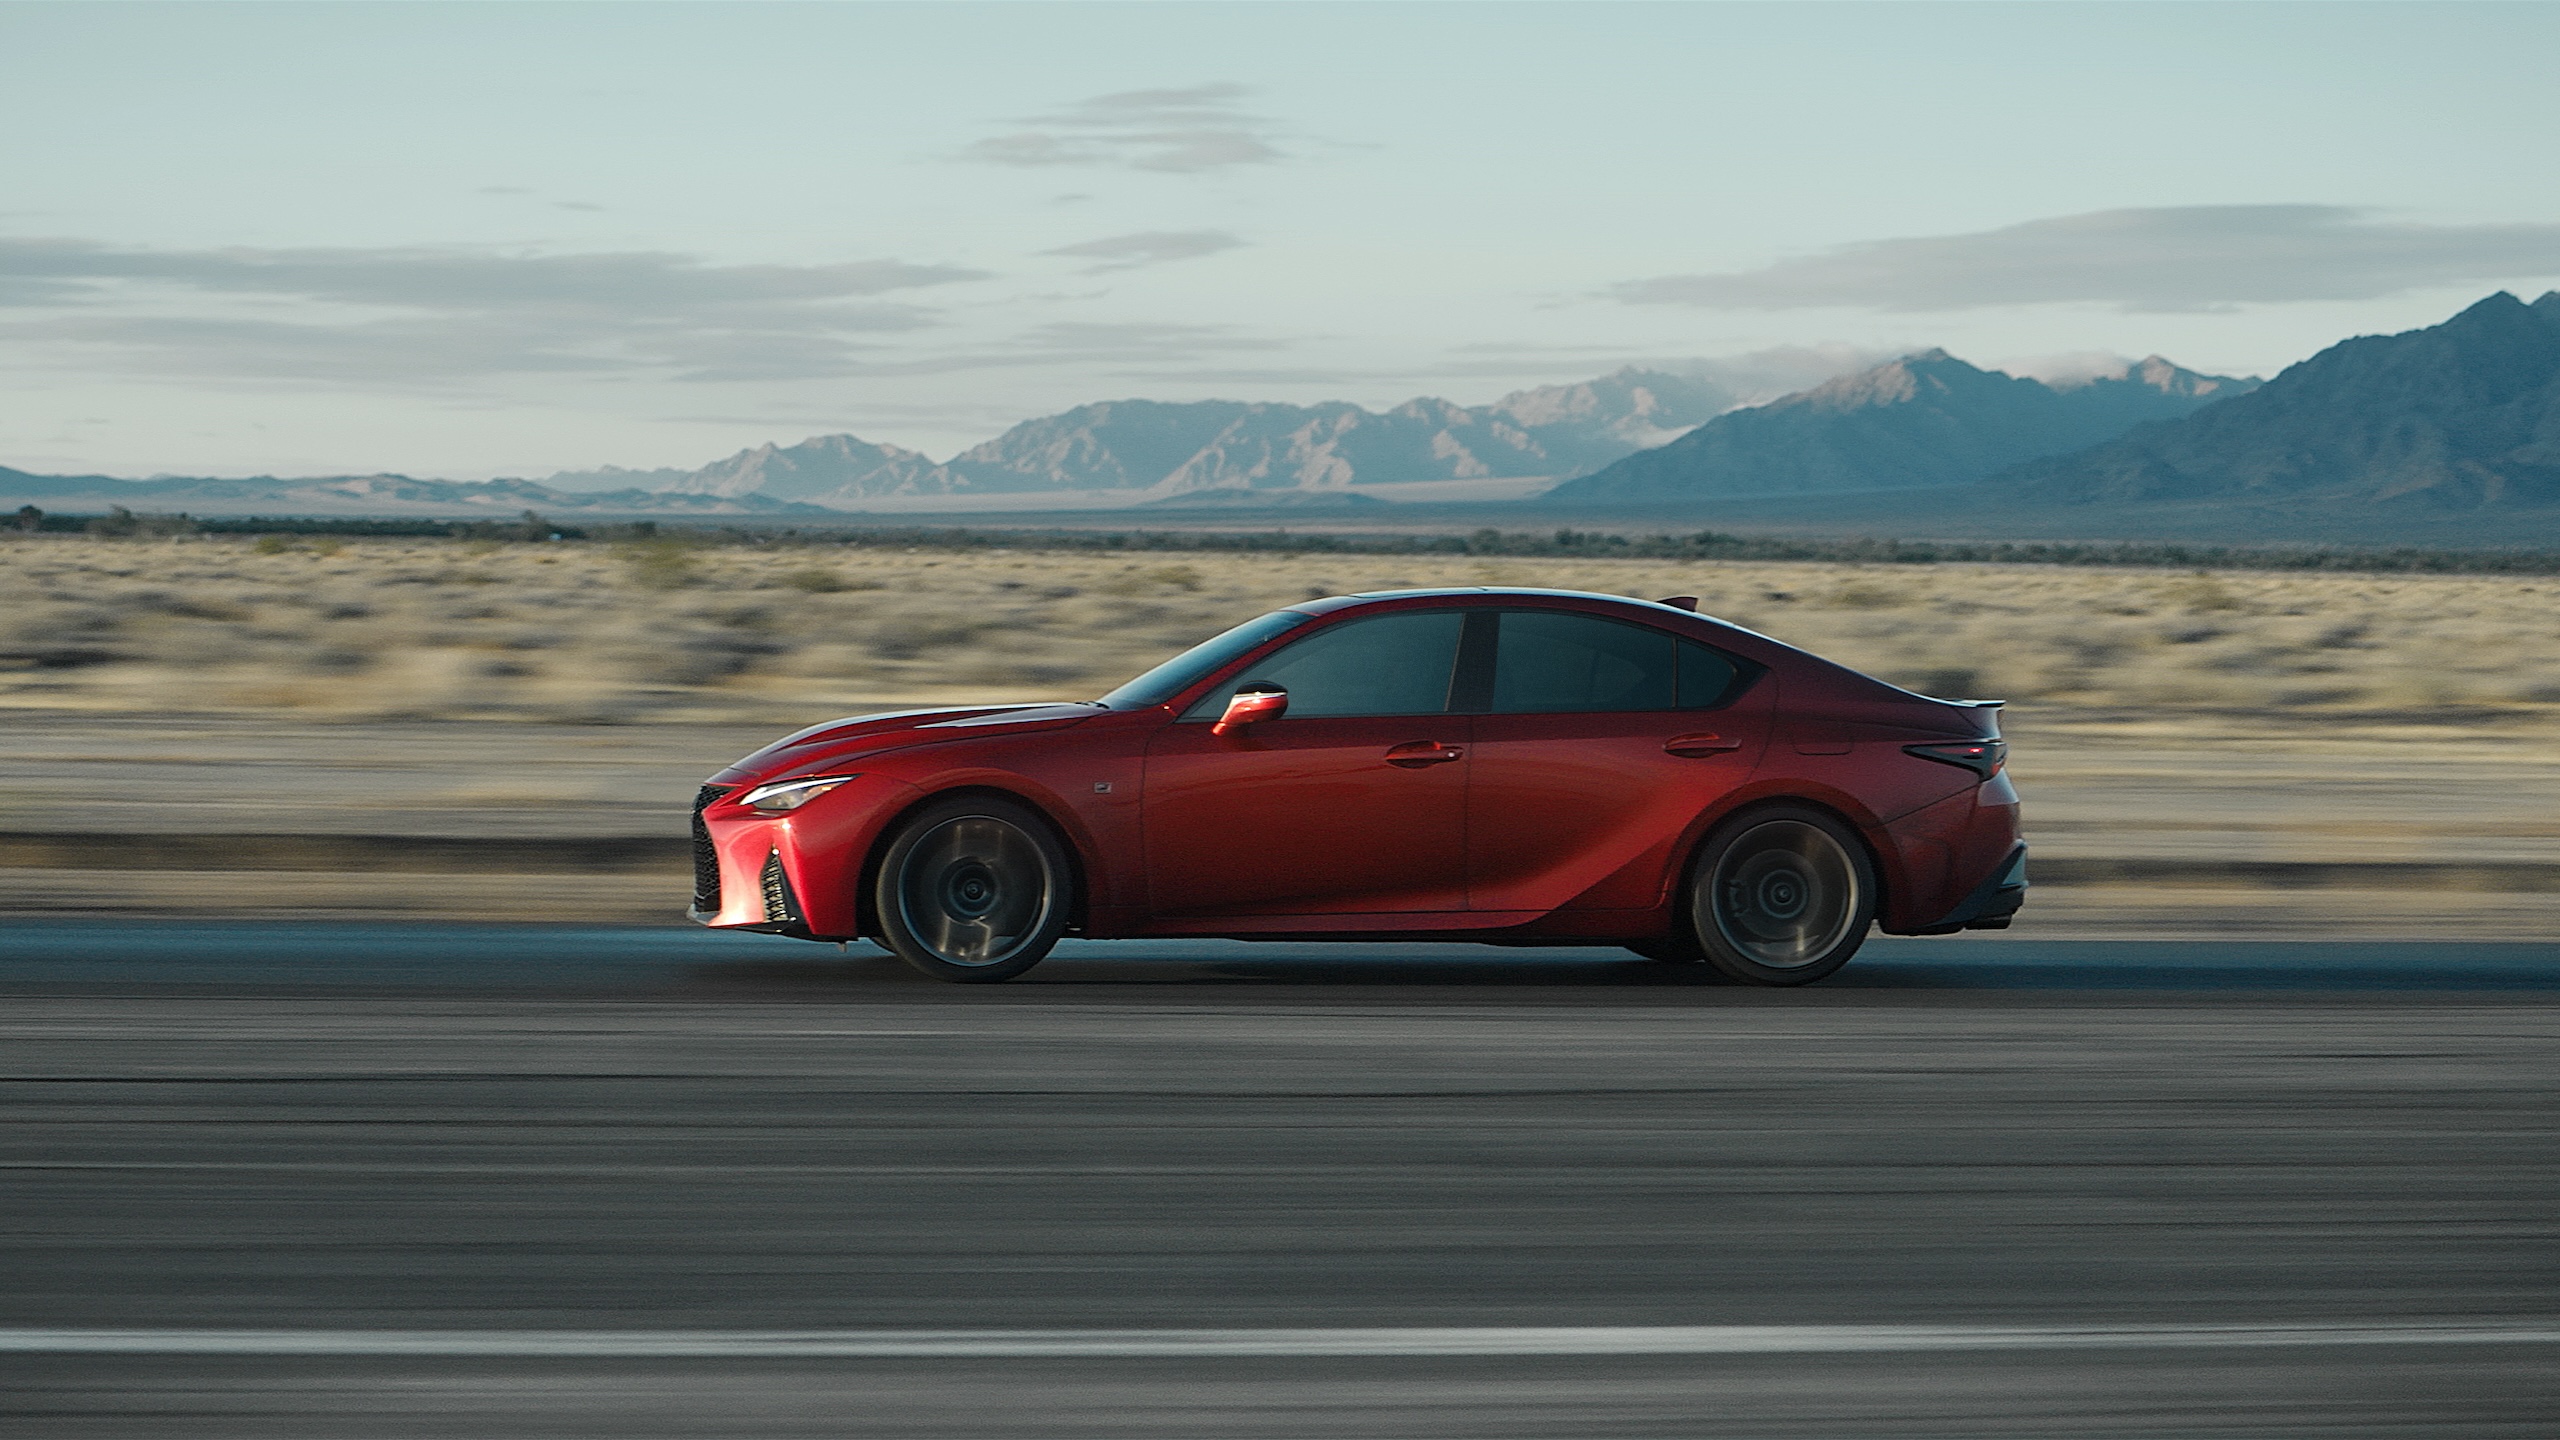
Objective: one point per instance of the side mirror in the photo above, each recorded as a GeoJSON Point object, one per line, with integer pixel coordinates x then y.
{"type": "Point", "coordinates": [1247, 706]}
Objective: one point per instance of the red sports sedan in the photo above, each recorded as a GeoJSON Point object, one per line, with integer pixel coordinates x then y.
{"type": "Point", "coordinates": [1522, 767]}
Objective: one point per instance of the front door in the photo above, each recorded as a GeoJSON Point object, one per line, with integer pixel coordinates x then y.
{"type": "Point", "coordinates": [1352, 803]}
{"type": "Point", "coordinates": [1603, 741]}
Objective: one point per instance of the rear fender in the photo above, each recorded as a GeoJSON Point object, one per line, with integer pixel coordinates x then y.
{"type": "Point", "coordinates": [1951, 850]}
{"type": "Point", "coordinates": [1893, 880]}
{"type": "Point", "coordinates": [1762, 794]}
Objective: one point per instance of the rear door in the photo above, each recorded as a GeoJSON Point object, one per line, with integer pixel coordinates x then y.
{"type": "Point", "coordinates": [1351, 804]}
{"type": "Point", "coordinates": [1600, 741]}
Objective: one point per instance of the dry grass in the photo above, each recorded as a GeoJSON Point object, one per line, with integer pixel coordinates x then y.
{"type": "Point", "coordinates": [443, 629]}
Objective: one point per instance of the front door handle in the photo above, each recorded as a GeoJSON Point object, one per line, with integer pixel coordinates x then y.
{"type": "Point", "coordinates": [1692, 747]}
{"type": "Point", "coordinates": [1415, 754]}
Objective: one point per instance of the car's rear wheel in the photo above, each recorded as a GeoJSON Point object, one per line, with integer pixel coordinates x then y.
{"type": "Point", "coordinates": [1782, 896]}
{"type": "Point", "coordinates": [975, 889]}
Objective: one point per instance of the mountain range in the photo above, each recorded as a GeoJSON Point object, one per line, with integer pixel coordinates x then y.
{"type": "Point", "coordinates": [2461, 418]}
{"type": "Point", "coordinates": [1926, 419]}
{"type": "Point", "coordinates": [354, 495]}
{"type": "Point", "coordinates": [2462, 415]}
{"type": "Point", "coordinates": [1172, 448]}
{"type": "Point", "coordinates": [1115, 452]}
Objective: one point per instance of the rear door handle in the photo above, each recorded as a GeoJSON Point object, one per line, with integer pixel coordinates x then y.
{"type": "Point", "coordinates": [1415, 754]}
{"type": "Point", "coordinates": [1692, 747]}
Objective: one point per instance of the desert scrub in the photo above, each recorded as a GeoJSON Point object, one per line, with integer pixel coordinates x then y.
{"type": "Point", "coordinates": [1866, 595]}
{"type": "Point", "coordinates": [1151, 580]}
{"type": "Point", "coordinates": [2200, 593]}
{"type": "Point", "coordinates": [785, 633]}
{"type": "Point", "coordinates": [824, 580]}
{"type": "Point", "coordinates": [662, 563]}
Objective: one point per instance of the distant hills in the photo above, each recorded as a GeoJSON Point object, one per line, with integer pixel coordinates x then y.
{"type": "Point", "coordinates": [2446, 435]}
{"type": "Point", "coordinates": [1120, 452]}
{"type": "Point", "coordinates": [365, 495]}
{"type": "Point", "coordinates": [828, 469]}
{"type": "Point", "coordinates": [2462, 415]}
{"type": "Point", "coordinates": [2452, 427]}
{"type": "Point", "coordinates": [1926, 419]}
{"type": "Point", "coordinates": [1158, 448]}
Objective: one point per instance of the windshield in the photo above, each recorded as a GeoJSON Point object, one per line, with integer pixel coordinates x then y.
{"type": "Point", "coordinates": [1177, 674]}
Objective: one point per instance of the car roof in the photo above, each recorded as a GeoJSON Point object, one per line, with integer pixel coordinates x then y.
{"type": "Point", "coordinates": [1710, 627]}
{"type": "Point", "coordinates": [1749, 643]}
{"type": "Point", "coordinates": [1333, 603]}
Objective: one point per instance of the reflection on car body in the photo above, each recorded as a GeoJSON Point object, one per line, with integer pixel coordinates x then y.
{"type": "Point", "coordinates": [1512, 766]}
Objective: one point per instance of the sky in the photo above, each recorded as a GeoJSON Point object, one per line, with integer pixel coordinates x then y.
{"type": "Point", "coordinates": [475, 240]}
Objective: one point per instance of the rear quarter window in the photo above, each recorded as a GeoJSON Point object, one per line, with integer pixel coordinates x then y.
{"type": "Point", "coordinates": [1550, 662]}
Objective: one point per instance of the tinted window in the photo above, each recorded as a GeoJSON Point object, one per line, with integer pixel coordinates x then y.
{"type": "Point", "coordinates": [1706, 677]}
{"type": "Point", "coordinates": [1546, 662]}
{"type": "Point", "coordinates": [1392, 665]}
{"type": "Point", "coordinates": [1176, 675]}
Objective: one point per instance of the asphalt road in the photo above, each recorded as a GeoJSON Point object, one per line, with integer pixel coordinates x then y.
{"type": "Point", "coordinates": [434, 1181]}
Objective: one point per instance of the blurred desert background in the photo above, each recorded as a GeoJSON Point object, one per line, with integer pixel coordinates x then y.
{"type": "Point", "coordinates": [331, 725]}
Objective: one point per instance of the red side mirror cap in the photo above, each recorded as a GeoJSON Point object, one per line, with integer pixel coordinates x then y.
{"type": "Point", "coordinates": [1247, 706]}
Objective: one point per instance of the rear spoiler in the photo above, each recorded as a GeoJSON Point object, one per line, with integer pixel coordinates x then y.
{"type": "Point", "coordinates": [1986, 714]}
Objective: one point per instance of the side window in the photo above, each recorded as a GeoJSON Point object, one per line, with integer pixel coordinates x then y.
{"type": "Point", "coordinates": [1706, 678]}
{"type": "Point", "coordinates": [1392, 665]}
{"type": "Point", "coordinates": [1547, 662]}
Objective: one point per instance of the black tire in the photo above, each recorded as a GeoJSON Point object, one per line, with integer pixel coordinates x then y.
{"type": "Point", "coordinates": [1782, 896]}
{"type": "Point", "coordinates": [975, 889]}
{"type": "Point", "coordinates": [1679, 951]}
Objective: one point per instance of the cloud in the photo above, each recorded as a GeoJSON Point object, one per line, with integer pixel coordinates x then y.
{"type": "Point", "coordinates": [429, 315]}
{"type": "Point", "coordinates": [1182, 131]}
{"type": "Point", "coordinates": [1135, 348]}
{"type": "Point", "coordinates": [1147, 247]}
{"type": "Point", "coordinates": [648, 282]}
{"type": "Point", "coordinates": [1140, 340]}
{"type": "Point", "coordinates": [1103, 343]}
{"type": "Point", "coordinates": [2182, 258]}
{"type": "Point", "coordinates": [2068, 369]}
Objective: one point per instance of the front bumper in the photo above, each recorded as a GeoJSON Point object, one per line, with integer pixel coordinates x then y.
{"type": "Point", "coordinates": [795, 873]}
{"type": "Point", "coordinates": [774, 896]}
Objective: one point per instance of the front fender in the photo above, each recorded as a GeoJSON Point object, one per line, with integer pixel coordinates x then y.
{"type": "Point", "coordinates": [813, 844]}
{"type": "Point", "coordinates": [1085, 783]}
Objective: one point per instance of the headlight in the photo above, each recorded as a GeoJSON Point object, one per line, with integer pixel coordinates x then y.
{"type": "Point", "coordinates": [791, 794]}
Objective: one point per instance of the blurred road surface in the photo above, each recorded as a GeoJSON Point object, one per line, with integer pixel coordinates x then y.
{"type": "Point", "coordinates": [2122, 1160]}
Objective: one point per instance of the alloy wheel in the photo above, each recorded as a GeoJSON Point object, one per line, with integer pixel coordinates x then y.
{"type": "Point", "coordinates": [1785, 896]}
{"type": "Point", "coordinates": [975, 890]}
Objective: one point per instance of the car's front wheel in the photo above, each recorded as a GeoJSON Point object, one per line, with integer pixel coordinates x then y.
{"type": "Point", "coordinates": [1782, 896]}
{"type": "Point", "coordinates": [973, 889]}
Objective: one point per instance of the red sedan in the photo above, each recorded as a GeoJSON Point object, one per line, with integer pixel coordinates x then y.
{"type": "Point", "coordinates": [1531, 767]}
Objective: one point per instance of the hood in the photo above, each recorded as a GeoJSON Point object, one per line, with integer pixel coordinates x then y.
{"type": "Point", "coordinates": [836, 740]}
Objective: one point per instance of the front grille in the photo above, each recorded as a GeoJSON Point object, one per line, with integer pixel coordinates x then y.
{"type": "Point", "coordinates": [706, 857]}
{"type": "Point", "coordinates": [778, 909]}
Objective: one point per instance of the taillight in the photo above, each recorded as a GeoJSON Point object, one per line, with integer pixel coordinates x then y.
{"type": "Point", "coordinates": [1982, 757]}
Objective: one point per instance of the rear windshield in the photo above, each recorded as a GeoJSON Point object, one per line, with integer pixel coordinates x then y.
{"type": "Point", "coordinates": [1197, 663]}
